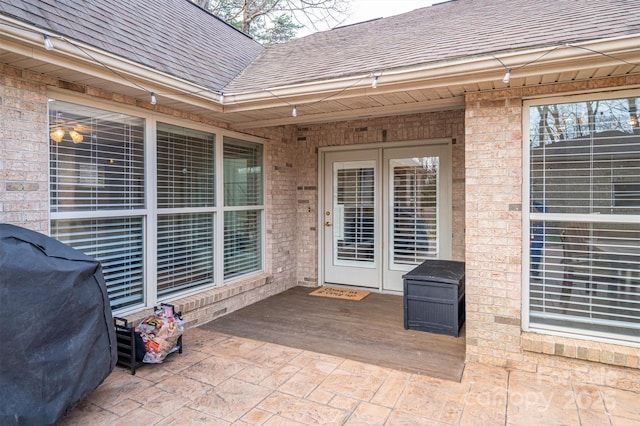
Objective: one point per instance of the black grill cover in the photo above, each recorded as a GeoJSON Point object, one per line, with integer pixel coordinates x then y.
{"type": "Point", "coordinates": [56, 329]}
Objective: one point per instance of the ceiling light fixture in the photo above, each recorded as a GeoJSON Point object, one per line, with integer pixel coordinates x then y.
{"type": "Point", "coordinates": [76, 137]}
{"type": "Point", "coordinates": [57, 135]}
{"type": "Point", "coordinates": [153, 98]}
{"type": "Point", "coordinates": [294, 112]}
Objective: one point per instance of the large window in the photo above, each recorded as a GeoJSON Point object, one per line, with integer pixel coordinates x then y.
{"type": "Point", "coordinates": [97, 180]}
{"type": "Point", "coordinates": [149, 211]}
{"type": "Point", "coordinates": [243, 201]}
{"type": "Point", "coordinates": [186, 201]}
{"type": "Point", "coordinates": [584, 217]}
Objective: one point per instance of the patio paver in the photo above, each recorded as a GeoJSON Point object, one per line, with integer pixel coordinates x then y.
{"type": "Point", "coordinates": [227, 380]}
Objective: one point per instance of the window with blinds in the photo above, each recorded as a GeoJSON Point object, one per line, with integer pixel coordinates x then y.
{"type": "Point", "coordinates": [355, 201]}
{"type": "Point", "coordinates": [243, 192]}
{"type": "Point", "coordinates": [96, 185]}
{"type": "Point", "coordinates": [97, 159]}
{"type": "Point", "coordinates": [242, 173]}
{"type": "Point", "coordinates": [118, 244]}
{"type": "Point", "coordinates": [185, 252]}
{"type": "Point", "coordinates": [242, 242]}
{"type": "Point", "coordinates": [186, 200]}
{"type": "Point", "coordinates": [415, 214]}
{"type": "Point", "coordinates": [584, 219]}
{"type": "Point", "coordinates": [186, 167]}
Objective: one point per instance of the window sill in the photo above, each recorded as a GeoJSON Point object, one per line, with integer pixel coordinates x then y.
{"type": "Point", "coordinates": [586, 350]}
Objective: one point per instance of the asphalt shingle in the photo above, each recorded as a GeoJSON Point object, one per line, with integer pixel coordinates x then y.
{"type": "Point", "coordinates": [179, 38]}
{"type": "Point", "coordinates": [173, 36]}
{"type": "Point", "coordinates": [445, 31]}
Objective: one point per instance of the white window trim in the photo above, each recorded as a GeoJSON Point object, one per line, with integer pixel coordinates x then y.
{"type": "Point", "coordinates": [150, 212]}
{"type": "Point", "coordinates": [527, 216]}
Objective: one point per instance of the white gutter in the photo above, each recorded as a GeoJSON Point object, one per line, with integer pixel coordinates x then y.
{"type": "Point", "coordinates": [27, 40]}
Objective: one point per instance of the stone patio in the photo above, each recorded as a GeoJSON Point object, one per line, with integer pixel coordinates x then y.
{"type": "Point", "coordinates": [226, 380]}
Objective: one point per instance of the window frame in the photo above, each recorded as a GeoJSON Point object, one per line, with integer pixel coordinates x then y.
{"type": "Point", "coordinates": [150, 212]}
{"type": "Point", "coordinates": [527, 217]}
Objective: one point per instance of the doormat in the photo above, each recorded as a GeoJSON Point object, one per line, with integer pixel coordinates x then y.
{"type": "Point", "coordinates": [340, 293]}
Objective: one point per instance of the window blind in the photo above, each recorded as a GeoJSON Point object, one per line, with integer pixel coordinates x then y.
{"type": "Point", "coordinates": [185, 180]}
{"type": "Point", "coordinates": [355, 188]}
{"type": "Point", "coordinates": [102, 171]}
{"type": "Point", "coordinates": [584, 203]}
{"type": "Point", "coordinates": [242, 242]}
{"type": "Point", "coordinates": [243, 187]}
{"type": "Point", "coordinates": [186, 167]}
{"type": "Point", "coordinates": [185, 252]}
{"type": "Point", "coordinates": [415, 216]}
{"type": "Point", "coordinates": [118, 245]}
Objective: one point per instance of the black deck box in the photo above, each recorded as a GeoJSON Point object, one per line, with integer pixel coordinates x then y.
{"type": "Point", "coordinates": [434, 297]}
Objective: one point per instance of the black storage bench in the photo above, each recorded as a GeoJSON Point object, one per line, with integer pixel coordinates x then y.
{"type": "Point", "coordinates": [131, 348]}
{"type": "Point", "coordinates": [434, 297]}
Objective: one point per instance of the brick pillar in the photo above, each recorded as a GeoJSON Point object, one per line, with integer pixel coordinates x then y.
{"type": "Point", "coordinates": [493, 163]}
{"type": "Point", "coordinates": [24, 165]}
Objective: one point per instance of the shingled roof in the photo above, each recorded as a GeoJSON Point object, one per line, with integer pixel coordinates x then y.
{"type": "Point", "coordinates": [172, 36]}
{"type": "Point", "coordinates": [442, 32]}
{"type": "Point", "coordinates": [180, 39]}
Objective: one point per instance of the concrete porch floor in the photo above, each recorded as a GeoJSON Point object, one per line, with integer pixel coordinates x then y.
{"type": "Point", "coordinates": [226, 380]}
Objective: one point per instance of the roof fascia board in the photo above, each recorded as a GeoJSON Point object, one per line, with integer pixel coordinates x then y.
{"type": "Point", "coordinates": [528, 62]}
{"type": "Point", "coordinates": [27, 40]}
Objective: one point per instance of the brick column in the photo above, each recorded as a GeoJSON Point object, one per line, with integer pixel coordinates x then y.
{"type": "Point", "coordinates": [24, 165]}
{"type": "Point", "coordinates": [493, 163]}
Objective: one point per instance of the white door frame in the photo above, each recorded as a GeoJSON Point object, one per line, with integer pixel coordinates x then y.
{"type": "Point", "coordinates": [321, 188]}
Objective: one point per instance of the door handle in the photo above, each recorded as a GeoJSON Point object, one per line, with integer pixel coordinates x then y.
{"type": "Point", "coordinates": [327, 224]}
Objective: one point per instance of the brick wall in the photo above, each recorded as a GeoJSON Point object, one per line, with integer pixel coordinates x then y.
{"type": "Point", "coordinates": [493, 255]}
{"type": "Point", "coordinates": [24, 164]}
{"type": "Point", "coordinates": [445, 124]}
{"type": "Point", "coordinates": [24, 186]}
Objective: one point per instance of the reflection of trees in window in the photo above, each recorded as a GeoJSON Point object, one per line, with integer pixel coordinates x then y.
{"type": "Point", "coordinates": [555, 122]}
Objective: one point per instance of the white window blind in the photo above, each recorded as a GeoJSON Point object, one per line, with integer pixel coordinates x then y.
{"type": "Point", "coordinates": [97, 166]}
{"type": "Point", "coordinates": [102, 167]}
{"type": "Point", "coordinates": [185, 252]}
{"type": "Point", "coordinates": [118, 244]}
{"type": "Point", "coordinates": [186, 181]}
{"type": "Point", "coordinates": [186, 167]}
{"type": "Point", "coordinates": [242, 242]}
{"type": "Point", "coordinates": [585, 204]}
{"type": "Point", "coordinates": [355, 189]}
{"type": "Point", "coordinates": [415, 200]}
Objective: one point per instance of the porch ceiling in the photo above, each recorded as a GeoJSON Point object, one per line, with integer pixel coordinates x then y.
{"type": "Point", "coordinates": [426, 87]}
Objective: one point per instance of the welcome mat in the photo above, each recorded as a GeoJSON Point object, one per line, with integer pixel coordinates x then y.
{"type": "Point", "coordinates": [340, 293]}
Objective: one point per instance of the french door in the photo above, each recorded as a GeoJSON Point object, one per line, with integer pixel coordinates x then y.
{"type": "Point", "coordinates": [385, 210]}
